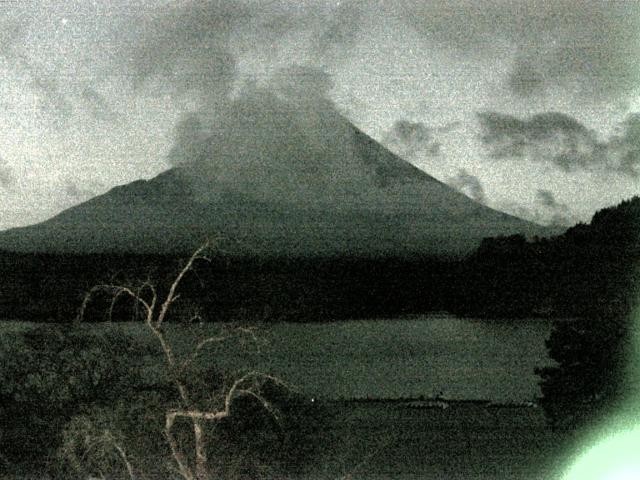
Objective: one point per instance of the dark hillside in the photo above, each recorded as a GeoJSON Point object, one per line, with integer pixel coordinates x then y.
{"type": "Point", "coordinates": [587, 271]}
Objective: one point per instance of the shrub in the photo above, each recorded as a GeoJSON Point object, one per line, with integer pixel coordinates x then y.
{"type": "Point", "coordinates": [50, 373]}
{"type": "Point", "coordinates": [589, 379]}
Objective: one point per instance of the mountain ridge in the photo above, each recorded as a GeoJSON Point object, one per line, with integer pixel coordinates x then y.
{"type": "Point", "coordinates": [381, 205]}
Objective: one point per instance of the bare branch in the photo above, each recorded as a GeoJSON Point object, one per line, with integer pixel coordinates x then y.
{"type": "Point", "coordinates": [200, 447]}
{"type": "Point", "coordinates": [116, 291]}
{"type": "Point", "coordinates": [209, 340]}
{"type": "Point", "coordinates": [155, 310]}
{"type": "Point", "coordinates": [148, 285]}
{"type": "Point", "coordinates": [122, 453]}
{"type": "Point", "coordinates": [178, 456]}
{"type": "Point", "coordinates": [234, 392]}
{"type": "Point", "coordinates": [251, 332]}
{"type": "Point", "coordinates": [198, 415]}
{"type": "Point", "coordinates": [172, 296]}
{"type": "Point", "coordinates": [236, 387]}
{"type": "Point", "coordinates": [194, 315]}
{"type": "Point", "coordinates": [196, 351]}
{"type": "Point", "coordinates": [170, 359]}
{"type": "Point", "coordinates": [275, 413]}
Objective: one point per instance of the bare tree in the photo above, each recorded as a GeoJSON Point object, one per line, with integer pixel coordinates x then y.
{"type": "Point", "coordinates": [191, 465]}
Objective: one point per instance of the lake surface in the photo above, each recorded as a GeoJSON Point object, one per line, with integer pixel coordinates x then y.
{"type": "Point", "coordinates": [433, 354]}
{"type": "Point", "coordinates": [422, 355]}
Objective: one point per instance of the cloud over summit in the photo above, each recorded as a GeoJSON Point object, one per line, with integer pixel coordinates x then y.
{"type": "Point", "coordinates": [281, 139]}
{"type": "Point", "coordinates": [187, 47]}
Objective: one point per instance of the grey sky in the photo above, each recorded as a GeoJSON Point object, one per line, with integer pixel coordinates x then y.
{"type": "Point", "coordinates": [521, 96]}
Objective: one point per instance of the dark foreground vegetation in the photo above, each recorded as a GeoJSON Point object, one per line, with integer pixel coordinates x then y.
{"type": "Point", "coordinates": [76, 403]}
{"type": "Point", "coordinates": [86, 396]}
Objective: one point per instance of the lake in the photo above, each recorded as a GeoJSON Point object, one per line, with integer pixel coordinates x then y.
{"type": "Point", "coordinates": [459, 358]}
{"type": "Point", "coordinates": [406, 357]}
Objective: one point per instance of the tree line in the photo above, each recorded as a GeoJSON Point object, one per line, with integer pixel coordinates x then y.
{"type": "Point", "coordinates": [585, 271]}
{"type": "Point", "coordinates": [49, 287]}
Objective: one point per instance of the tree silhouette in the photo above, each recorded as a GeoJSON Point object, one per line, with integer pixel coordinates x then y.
{"type": "Point", "coordinates": [191, 457]}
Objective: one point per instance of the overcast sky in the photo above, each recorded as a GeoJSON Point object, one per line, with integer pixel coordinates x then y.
{"type": "Point", "coordinates": [529, 107]}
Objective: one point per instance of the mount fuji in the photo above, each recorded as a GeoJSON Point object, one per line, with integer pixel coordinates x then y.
{"type": "Point", "coordinates": [288, 197]}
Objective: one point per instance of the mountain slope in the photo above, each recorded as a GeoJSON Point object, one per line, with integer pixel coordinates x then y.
{"type": "Point", "coordinates": [357, 198]}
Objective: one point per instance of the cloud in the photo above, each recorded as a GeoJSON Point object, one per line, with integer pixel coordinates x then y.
{"type": "Point", "coordinates": [520, 211]}
{"type": "Point", "coordinates": [281, 139]}
{"type": "Point", "coordinates": [449, 127]}
{"type": "Point", "coordinates": [7, 178]}
{"type": "Point", "coordinates": [11, 33]}
{"type": "Point", "coordinates": [45, 85]}
{"type": "Point", "coordinates": [542, 126]}
{"type": "Point", "coordinates": [525, 80]}
{"type": "Point", "coordinates": [410, 139]}
{"type": "Point", "coordinates": [206, 47]}
{"type": "Point", "coordinates": [52, 98]}
{"type": "Point", "coordinates": [333, 41]}
{"type": "Point", "coordinates": [254, 109]}
{"type": "Point", "coordinates": [544, 210]}
{"type": "Point", "coordinates": [553, 213]}
{"type": "Point", "coordinates": [98, 105]}
{"type": "Point", "coordinates": [550, 136]}
{"type": "Point", "coordinates": [586, 45]}
{"type": "Point", "coordinates": [190, 50]}
{"type": "Point", "coordinates": [562, 141]}
{"type": "Point", "coordinates": [626, 145]}
{"type": "Point", "coordinates": [468, 184]}
{"type": "Point", "coordinates": [302, 83]}
{"type": "Point", "coordinates": [78, 193]}
{"type": "Point", "coordinates": [185, 46]}
{"type": "Point", "coordinates": [546, 199]}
